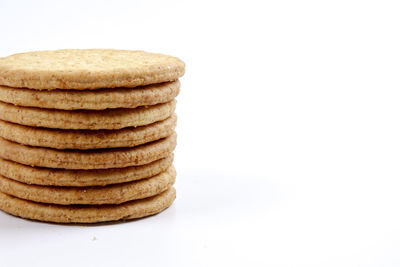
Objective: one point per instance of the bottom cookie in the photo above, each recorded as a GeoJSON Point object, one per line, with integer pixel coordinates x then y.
{"type": "Point", "coordinates": [87, 214]}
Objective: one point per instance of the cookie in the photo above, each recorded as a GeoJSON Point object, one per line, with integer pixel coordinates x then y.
{"type": "Point", "coordinates": [88, 69]}
{"type": "Point", "coordinates": [112, 194]}
{"type": "Point", "coordinates": [81, 178]}
{"type": "Point", "coordinates": [89, 99]}
{"type": "Point", "coordinates": [87, 139]}
{"type": "Point", "coordinates": [87, 159]}
{"type": "Point", "coordinates": [86, 119]}
{"type": "Point", "coordinates": [86, 214]}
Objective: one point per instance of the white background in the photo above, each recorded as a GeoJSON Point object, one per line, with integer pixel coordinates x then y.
{"type": "Point", "coordinates": [289, 136]}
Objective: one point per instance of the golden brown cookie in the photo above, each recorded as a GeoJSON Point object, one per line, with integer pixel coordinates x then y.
{"type": "Point", "coordinates": [89, 99]}
{"type": "Point", "coordinates": [87, 159]}
{"type": "Point", "coordinates": [88, 69]}
{"type": "Point", "coordinates": [87, 139]}
{"type": "Point", "coordinates": [86, 119]}
{"type": "Point", "coordinates": [112, 194]}
{"type": "Point", "coordinates": [81, 178]}
{"type": "Point", "coordinates": [86, 214]}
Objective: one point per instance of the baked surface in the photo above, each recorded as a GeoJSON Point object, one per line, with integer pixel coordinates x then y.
{"type": "Point", "coordinates": [88, 69]}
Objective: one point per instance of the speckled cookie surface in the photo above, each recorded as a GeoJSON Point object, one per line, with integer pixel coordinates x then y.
{"type": "Point", "coordinates": [86, 214]}
{"type": "Point", "coordinates": [86, 119]}
{"type": "Point", "coordinates": [88, 69]}
{"type": "Point", "coordinates": [89, 99]}
{"type": "Point", "coordinates": [87, 139]}
{"type": "Point", "coordinates": [112, 194]}
{"type": "Point", "coordinates": [88, 159]}
{"type": "Point", "coordinates": [81, 178]}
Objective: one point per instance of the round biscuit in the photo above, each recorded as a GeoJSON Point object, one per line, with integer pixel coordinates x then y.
{"type": "Point", "coordinates": [86, 119]}
{"type": "Point", "coordinates": [87, 139]}
{"type": "Point", "coordinates": [87, 159]}
{"type": "Point", "coordinates": [87, 214]}
{"type": "Point", "coordinates": [91, 99]}
{"type": "Point", "coordinates": [112, 194]}
{"type": "Point", "coordinates": [81, 178]}
{"type": "Point", "coordinates": [88, 69]}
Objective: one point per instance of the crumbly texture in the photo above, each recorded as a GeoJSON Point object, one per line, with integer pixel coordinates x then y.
{"type": "Point", "coordinates": [89, 99]}
{"type": "Point", "coordinates": [88, 69]}
{"type": "Point", "coordinates": [81, 178]}
{"type": "Point", "coordinates": [86, 214]}
{"type": "Point", "coordinates": [89, 159]}
{"type": "Point", "coordinates": [112, 194]}
{"type": "Point", "coordinates": [86, 119]}
{"type": "Point", "coordinates": [87, 139]}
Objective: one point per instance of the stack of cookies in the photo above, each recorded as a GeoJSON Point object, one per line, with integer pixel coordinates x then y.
{"type": "Point", "coordinates": [87, 135]}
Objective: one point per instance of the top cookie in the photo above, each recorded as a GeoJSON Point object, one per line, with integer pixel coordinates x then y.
{"type": "Point", "coordinates": [88, 69]}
